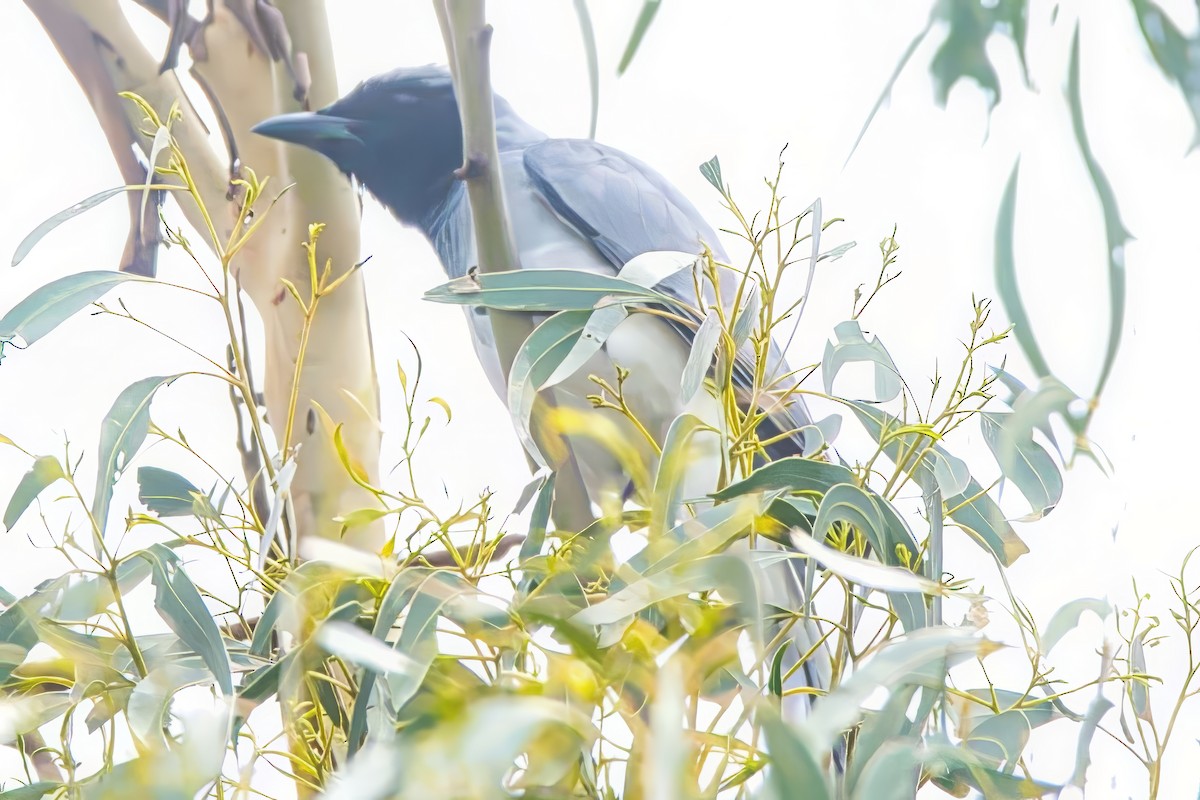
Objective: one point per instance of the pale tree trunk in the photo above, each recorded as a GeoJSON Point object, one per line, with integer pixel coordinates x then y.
{"type": "Point", "coordinates": [231, 50]}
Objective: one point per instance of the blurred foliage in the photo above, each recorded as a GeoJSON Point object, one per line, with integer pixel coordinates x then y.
{"type": "Point", "coordinates": [630, 659]}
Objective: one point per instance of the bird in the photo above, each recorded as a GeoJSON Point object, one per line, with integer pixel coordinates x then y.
{"type": "Point", "coordinates": [572, 203]}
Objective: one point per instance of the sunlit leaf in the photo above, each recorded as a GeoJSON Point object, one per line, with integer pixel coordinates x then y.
{"type": "Point", "coordinates": [702, 574]}
{"type": "Point", "coordinates": [678, 456]}
{"type": "Point", "coordinates": [20, 714]}
{"type": "Point", "coordinates": [45, 471]}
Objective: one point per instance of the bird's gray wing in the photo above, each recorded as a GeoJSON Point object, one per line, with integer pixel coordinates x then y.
{"type": "Point", "coordinates": [626, 208]}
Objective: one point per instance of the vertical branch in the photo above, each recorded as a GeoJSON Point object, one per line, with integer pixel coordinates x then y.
{"type": "Point", "coordinates": [468, 40]}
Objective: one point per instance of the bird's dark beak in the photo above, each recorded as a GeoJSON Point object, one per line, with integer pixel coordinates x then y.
{"type": "Point", "coordinates": [308, 128]}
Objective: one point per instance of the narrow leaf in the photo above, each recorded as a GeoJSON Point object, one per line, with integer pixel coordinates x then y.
{"type": "Point", "coordinates": [593, 61]}
{"type": "Point", "coordinates": [1114, 229]}
{"type": "Point", "coordinates": [48, 307]}
{"type": "Point", "coordinates": [700, 357]}
{"type": "Point", "coordinates": [45, 471]}
{"type": "Point", "coordinates": [121, 435]}
{"type": "Point", "coordinates": [645, 17]}
{"type": "Point", "coordinates": [181, 607]}
{"type": "Point", "coordinates": [35, 236]}
{"type": "Point", "coordinates": [1006, 278]}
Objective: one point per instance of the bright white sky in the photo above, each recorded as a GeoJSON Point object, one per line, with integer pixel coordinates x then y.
{"type": "Point", "coordinates": [739, 80]}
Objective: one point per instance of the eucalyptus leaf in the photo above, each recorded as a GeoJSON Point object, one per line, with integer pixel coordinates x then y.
{"type": "Point", "coordinates": [973, 510]}
{"type": "Point", "coordinates": [1116, 234]}
{"type": "Point", "coordinates": [711, 170]}
{"type": "Point", "coordinates": [593, 62]}
{"type": "Point", "coordinates": [32, 791]}
{"type": "Point", "coordinates": [169, 494]}
{"type": "Point", "coordinates": [181, 607]}
{"type": "Point", "coordinates": [1006, 278]}
{"type": "Point", "coordinates": [852, 346]}
{"type": "Point", "coordinates": [27, 244]}
{"type": "Point", "coordinates": [542, 290]}
{"type": "Point", "coordinates": [541, 353]}
{"type": "Point", "coordinates": [794, 474]}
{"type": "Point", "coordinates": [1024, 462]}
{"type": "Point", "coordinates": [913, 660]}
{"type": "Point", "coordinates": [45, 471]}
{"type": "Point", "coordinates": [700, 357]}
{"type": "Point", "coordinates": [794, 761]}
{"type": "Point", "coordinates": [645, 17]}
{"type": "Point", "coordinates": [49, 306]}
{"type": "Point", "coordinates": [121, 435]}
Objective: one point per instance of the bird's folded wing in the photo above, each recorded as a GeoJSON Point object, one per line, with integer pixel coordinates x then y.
{"type": "Point", "coordinates": [625, 209]}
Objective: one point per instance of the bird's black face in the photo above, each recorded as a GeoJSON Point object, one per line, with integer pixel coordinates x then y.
{"type": "Point", "coordinates": [398, 134]}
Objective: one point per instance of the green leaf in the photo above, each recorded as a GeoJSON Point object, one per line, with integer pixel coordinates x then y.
{"type": "Point", "coordinates": [878, 727]}
{"type": "Point", "coordinates": [711, 170]}
{"type": "Point", "coordinates": [595, 333]}
{"type": "Point", "coordinates": [45, 471]}
{"type": "Point", "coordinates": [540, 354]}
{"type": "Point", "coordinates": [678, 455]}
{"type": "Point", "coordinates": [1175, 54]}
{"type": "Point", "coordinates": [25, 713]}
{"type": "Point", "coordinates": [1006, 278]}
{"type": "Point", "coordinates": [150, 701]}
{"type": "Point", "coordinates": [700, 357]}
{"type": "Point", "coordinates": [794, 764]}
{"type": "Point", "coordinates": [702, 574]}
{"type": "Point", "coordinates": [51, 305]}
{"type": "Point", "coordinates": [794, 474]}
{"type": "Point", "coordinates": [645, 17]}
{"type": "Point", "coordinates": [169, 494]}
{"type": "Point", "coordinates": [542, 290]}
{"type": "Point", "coordinates": [853, 347]}
{"type": "Point", "coordinates": [539, 520]}
{"type": "Point", "coordinates": [1024, 462]}
{"type": "Point", "coordinates": [920, 658]}
{"type": "Point", "coordinates": [179, 604]}
{"type": "Point", "coordinates": [1114, 229]}
{"type": "Point", "coordinates": [33, 791]}
{"type": "Point", "coordinates": [973, 510]}
{"type": "Point", "coordinates": [888, 769]}
{"type": "Point", "coordinates": [886, 92]}
{"type": "Point", "coordinates": [35, 236]}
{"type": "Point", "coordinates": [121, 435]}
{"type": "Point", "coordinates": [593, 61]}
{"type": "Point", "coordinates": [1099, 706]}
{"type": "Point", "coordinates": [355, 645]}
{"type": "Point", "coordinates": [1139, 694]}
